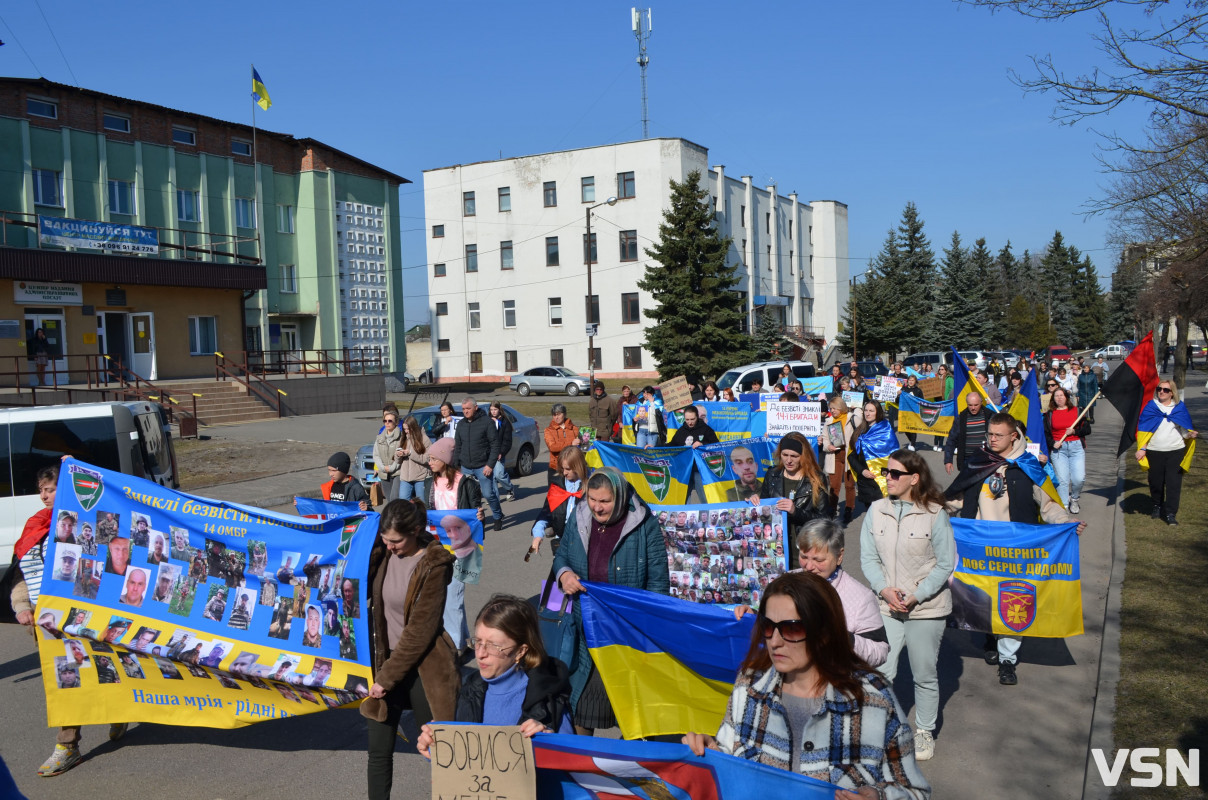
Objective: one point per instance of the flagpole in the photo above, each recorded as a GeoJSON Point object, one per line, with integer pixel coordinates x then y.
{"type": "Point", "coordinates": [1078, 419]}
{"type": "Point", "coordinates": [259, 219]}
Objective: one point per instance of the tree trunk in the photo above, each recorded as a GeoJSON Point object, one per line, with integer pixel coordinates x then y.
{"type": "Point", "coordinates": [1182, 328]}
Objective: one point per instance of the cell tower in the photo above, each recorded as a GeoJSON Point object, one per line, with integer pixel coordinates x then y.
{"type": "Point", "coordinates": [642, 27]}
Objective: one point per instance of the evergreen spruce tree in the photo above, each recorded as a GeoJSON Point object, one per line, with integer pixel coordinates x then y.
{"type": "Point", "coordinates": [768, 342]}
{"type": "Point", "coordinates": [697, 311]}
{"type": "Point", "coordinates": [1027, 275]}
{"type": "Point", "coordinates": [1006, 285]}
{"type": "Point", "coordinates": [1017, 325]}
{"type": "Point", "coordinates": [913, 288]}
{"type": "Point", "coordinates": [958, 305]}
{"type": "Point", "coordinates": [1058, 281]}
{"type": "Point", "coordinates": [985, 327]}
{"type": "Point", "coordinates": [1091, 307]}
{"type": "Point", "coordinates": [1123, 319]}
{"type": "Point", "coordinates": [861, 317]}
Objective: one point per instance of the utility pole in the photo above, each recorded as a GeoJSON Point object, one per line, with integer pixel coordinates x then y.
{"type": "Point", "coordinates": [854, 356]}
{"type": "Point", "coordinates": [642, 26]}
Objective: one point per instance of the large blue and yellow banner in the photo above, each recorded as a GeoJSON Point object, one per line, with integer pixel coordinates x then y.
{"type": "Point", "coordinates": [588, 768]}
{"type": "Point", "coordinates": [1017, 579]}
{"type": "Point", "coordinates": [660, 475]}
{"type": "Point", "coordinates": [668, 664]}
{"type": "Point", "coordinates": [733, 471]}
{"type": "Point", "coordinates": [728, 420]}
{"type": "Point", "coordinates": [158, 606]}
{"type": "Point", "coordinates": [928, 417]}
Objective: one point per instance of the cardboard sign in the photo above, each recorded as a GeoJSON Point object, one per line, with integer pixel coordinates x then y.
{"type": "Point", "coordinates": [482, 761]}
{"type": "Point", "coordinates": [853, 399]}
{"type": "Point", "coordinates": [933, 388]}
{"type": "Point", "coordinates": [676, 394]}
{"type": "Point", "coordinates": [886, 393]}
{"type": "Point", "coordinates": [804, 418]}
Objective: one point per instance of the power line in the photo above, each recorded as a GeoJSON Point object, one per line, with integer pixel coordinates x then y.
{"type": "Point", "coordinates": [56, 41]}
{"type": "Point", "coordinates": [18, 41]}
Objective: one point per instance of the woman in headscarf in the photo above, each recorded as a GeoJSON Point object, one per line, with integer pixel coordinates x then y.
{"type": "Point", "coordinates": [614, 538]}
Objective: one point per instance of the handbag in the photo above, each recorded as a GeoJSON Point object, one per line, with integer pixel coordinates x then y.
{"type": "Point", "coordinates": [558, 631]}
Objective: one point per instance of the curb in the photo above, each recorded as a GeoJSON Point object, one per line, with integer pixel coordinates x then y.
{"type": "Point", "coordinates": [1103, 716]}
{"type": "Point", "coordinates": [285, 499]}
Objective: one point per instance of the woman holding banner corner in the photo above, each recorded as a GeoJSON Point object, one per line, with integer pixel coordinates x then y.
{"type": "Point", "coordinates": [797, 481]}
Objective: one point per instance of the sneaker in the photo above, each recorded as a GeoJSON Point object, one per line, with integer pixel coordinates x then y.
{"type": "Point", "coordinates": [1006, 673]}
{"type": "Point", "coordinates": [498, 523]}
{"type": "Point", "coordinates": [62, 759]}
{"type": "Point", "coordinates": [846, 515]}
{"type": "Point", "coordinates": [117, 730]}
{"type": "Point", "coordinates": [510, 497]}
{"type": "Point", "coordinates": [1156, 512]}
{"type": "Point", "coordinates": [924, 745]}
{"type": "Point", "coordinates": [1074, 509]}
{"type": "Point", "coordinates": [1170, 520]}
{"type": "Point", "coordinates": [937, 448]}
{"type": "Point", "coordinates": [910, 447]}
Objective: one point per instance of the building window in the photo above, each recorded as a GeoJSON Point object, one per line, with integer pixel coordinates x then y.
{"type": "Point", "coordinates": [769, 258]}
{"type": "Point", "coordinates": [596, 359]}
{"type": "Point", "coordinates": [289, 279]}
{"type": "Point", "coordinates": [555, 311]}
{"type": "Point", "coordinates": [475, 316]}
{"type": "Point", "coordinates": [438, 231]}
{"type": "Point", "coordinates": [633, 358]}
{"type": "Point", "coordinates": [595, 256]}
{"type": "Point", "coordinates": [471, 258]}
{"type": "Point", "coordinates": [588, 189]}
{"type": "Point", "coordinates": [188, 206]}
{"type": "Point", "coordinates": [629, 245]}
{"type": "Point", "coordinates": [285, 219]}
{"type": "Point", "coordinates": [510, 361]}
{"type": "Point", "coordinates": [629, 308]}
{"type": "Point", "coordinates": [551, 251]}
{"type": "Point", "coordinates": [592, 306]}
{"type": "Point", "coordinates": [790, 229]}
{"type": "Point", "coordinates": [41, 108]}
{"type": "Point", "coordinates": [742, 216]}
{"type": "Point", "coordinates": [625, 186]}
{"type": "Point", "coordinates": [555, 358]}
{"type": "Point", "coordinates": [811, 265]}
{"type": "Point", "coordinates": [442, 345]}
{"type": "Point", "coordinates": [203, 336]}
{"type": "Point", "coordinates": [115, 122]}
{"type": "Point", "coordinates": [509, 313]}
{"type": "Point", "coordinates": [505, 198]}
{"type": "Point", "coordinates": [467, 204]}
{"type": "Point", "coordinates": [743, 253]}
{"type": "Point", "coordinates": [505, 255]}
{"type": "Point", "coordinates": [241, 148]}
{"type": "Point", "coordinates": [121, 197]}
{"type": "Point", "coordinates": [245, 212]}
{"type": "Point", "coordinates": [442, 309]}
{"type": "Point", "coordinates": [550, 192]}
{"type": "Point", "coordinates": [184, 136]}
{"type": "Point", "coordinates": [475, 362]}
{"type": "Point", "coordinates": [438, 271]}
{"type": "Point", "coordinates": [48, 188]}
{"type": "Point", "coordinates": [767, 223]}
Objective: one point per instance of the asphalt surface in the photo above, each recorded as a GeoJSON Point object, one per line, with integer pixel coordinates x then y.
{"type": "Point", "coordinates": [1029, 740]}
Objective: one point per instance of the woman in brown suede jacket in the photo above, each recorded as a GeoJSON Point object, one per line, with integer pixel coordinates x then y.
{"type": "Point", "coordinates": [413, 657]}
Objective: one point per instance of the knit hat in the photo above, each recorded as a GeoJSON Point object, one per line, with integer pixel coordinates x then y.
{"type": "Point", "coordinates": [340, 461]}
{"type": "Point", "coordinates": [443, 449]}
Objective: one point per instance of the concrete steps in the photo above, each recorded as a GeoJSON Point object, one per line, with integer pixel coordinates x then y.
{"type": "Point", "coordinates": [221, 402]}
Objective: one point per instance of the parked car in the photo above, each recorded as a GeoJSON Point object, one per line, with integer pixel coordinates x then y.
{"type": "Point", "coordinates": [974, 358]}
{"type": "Point", "coordinates": [555, 380]}
{"type": "Point", "coordinates": [1056, 353]}
{"type": "Point", "coordinates": [526, 442]}
{"type": "Point", "coordinates": [1111, 351]}
{"type": "Point", "coordinates": [741, 378]}
{"type": "Point", "coordinates": [917, 360]}
{"type": "Point", "coordinates": [869, 370]}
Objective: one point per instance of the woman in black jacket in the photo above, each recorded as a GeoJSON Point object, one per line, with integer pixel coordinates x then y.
{"type": "Point", "coordinates": [911, 387]}
{"type": "Point", "coordinates": [798, 481]}
{"type": "Point", "coordinates": [503, 483]}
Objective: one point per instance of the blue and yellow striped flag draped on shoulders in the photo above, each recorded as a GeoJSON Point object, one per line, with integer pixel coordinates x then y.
{"type": "Point", "coordinates": [1152, 417]}
{"type": "Point", "coordinates": [1026, 408]}
{"type": "Point", "coordinates": [259, 92]}
{"type": "Point", "coordinates": [963, 383]}
{"type": "Point", "coordinates": [875, 446]}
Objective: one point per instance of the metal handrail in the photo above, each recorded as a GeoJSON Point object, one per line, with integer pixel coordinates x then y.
{"type": "Point", "coordinates": [220, 367]}
{"type": "Point", "coordinates": [304, 363]}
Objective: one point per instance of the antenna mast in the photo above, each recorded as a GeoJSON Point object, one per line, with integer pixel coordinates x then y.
{"type": "Point", "coordinates": [642, 26]}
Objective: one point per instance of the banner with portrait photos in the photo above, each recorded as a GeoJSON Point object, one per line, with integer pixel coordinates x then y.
{"type": "Point", "coordinates": [159, 606]}
{"type": "Point", "coordinates": [724, 553]}
{"type": "Point", "coordinates": [733, 471]}
{"type": "Point", "coordinates": [728, 420]}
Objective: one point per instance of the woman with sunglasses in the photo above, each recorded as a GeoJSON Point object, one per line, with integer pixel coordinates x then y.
{"type": "Point", "coordinates": [516, 682]}
{"type": "Point", "coordinates": [804, 701]}
{"type": "Point", "coordinates": [1166, 443]}
{"type": "Point", "coordinates": [908, 552]}
{"type": "Point", "coordinates": [387, 454]}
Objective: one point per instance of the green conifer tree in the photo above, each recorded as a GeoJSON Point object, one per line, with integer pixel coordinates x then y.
{"type": "Point", "coordinates": [768, 340]}
{"type": "Point", "coordinates": [1123, 319]}
{"type": "Point", "coordinates": [985, 326]}
{"type": "Point", "coordinates": [958, 306]}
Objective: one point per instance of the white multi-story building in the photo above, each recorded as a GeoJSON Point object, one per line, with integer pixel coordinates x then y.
{"type": "Point", "coordinates": [507, 253]}
{"type": "Point", "coordinates": [364, 303]}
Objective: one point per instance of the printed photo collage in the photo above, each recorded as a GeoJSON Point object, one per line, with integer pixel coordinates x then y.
{"type": "Point", "coordinates": [723, 556]}
{"type": "Point", "coordinates": [160, 572]}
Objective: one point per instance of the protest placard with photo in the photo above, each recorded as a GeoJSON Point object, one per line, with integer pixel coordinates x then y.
{"type": "Point", "coordinates": [804, 418]}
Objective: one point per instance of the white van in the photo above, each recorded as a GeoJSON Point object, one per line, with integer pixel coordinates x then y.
{"type": "Point", "coordinates": [741, 378]}
{"type": "Point", "coordinates": [130, 437]}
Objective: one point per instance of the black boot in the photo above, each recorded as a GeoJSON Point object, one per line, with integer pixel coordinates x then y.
{"type": "Point", "coordinates": [1156, 511]}
{"type": "Point", "coordinates": [847, 515]}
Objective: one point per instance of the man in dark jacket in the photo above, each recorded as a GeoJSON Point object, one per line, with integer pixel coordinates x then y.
{"type": "Point", "coordinates": [602, 412]}
{"type": "Point", "coordinates": [968, 433]}
{"type": "Point", "coordinates": [476, 449]}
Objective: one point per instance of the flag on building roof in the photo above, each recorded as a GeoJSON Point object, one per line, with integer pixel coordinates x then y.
{"type": "Point", "coordinates": [259, 92]}
{"type": "Point", "coordinates": [1131, 387]}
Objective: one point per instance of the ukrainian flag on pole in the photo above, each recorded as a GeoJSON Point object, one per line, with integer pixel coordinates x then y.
{"type": "Point", "coordinates": [1026, 408]}
{"type": "Point", "coordinates": [963, 383]}
{"type": "Point", "coordinates": [259, 92]}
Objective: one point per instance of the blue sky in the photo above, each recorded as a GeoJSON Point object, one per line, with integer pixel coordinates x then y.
{"type": "Point", "coordinates": [871, 103]}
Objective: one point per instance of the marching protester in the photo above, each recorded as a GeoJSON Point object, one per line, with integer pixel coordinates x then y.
{"type": "Point", "coordinates": [987, 385]}
{"type": "Point", "coordinates": [413, 472]}
{"type": "Point", "coordinates": [516, 683]}
{"type": "Point", "coordinates": [804, 701]}
{"type": "Point", "coordinates": [476, 451]}
{"type": "Point", "coordinates": [835, 460]}
{"type": "Point", "coordinates": [1165, 443]}
{"type": "Point", "coordinates": [611, 538]}
{"type": "Point", "coordinates": [1014, 386]}
{"type": "Point", "coordinates": [503, 426]}
{"type": "Point", "coordinates": [1087, 387]}
{"type": "Point", "coordinates": [559, 434]}
{"type": "Point", "coordinates": [412, 656]}
{"type": "Point", "coordinates": [968, 434]}
{"type": "Point", "coordinates": [451, 490]}
{"type": "Point", "coordinates": [694, 432]}
{"type": "Point", "coordinates": [908, 552]}
{"type": "Point", "coordinates": [388, 454]}
{"type": "Point", "coordinates": [342, 488]}
{"type": "Point", "coordinates": [1004, 482]}
{"type": "Point", "coordinates": [785, 378]}
{"type": "Point", "coordinates": [564, 491]}
{"type": "Point", "coordinates": [711, 393]}
{"type": "Point", "coordinates": [602, 412]}
{"type": "Point", "coordinates": [446, 425]}
{"type": "Point", "coordinates": [911, 388]}
{"type": "Point", "coordinates": [1066, 451]}
{"type": "Point", "coordinates": [649, 430]}
{"type": "Point", "coordinates": [796, 479]}
{"type": "Point", "coordinates": [873, 438]}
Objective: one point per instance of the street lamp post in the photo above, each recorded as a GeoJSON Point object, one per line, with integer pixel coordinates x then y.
{"type": "Point", "coordinates": [591, 337]}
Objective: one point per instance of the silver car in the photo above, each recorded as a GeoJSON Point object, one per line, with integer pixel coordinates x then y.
{"type": "Point", "coordinates": [526, 441]}
{"type": "Point", "coordinates": [556, 380]}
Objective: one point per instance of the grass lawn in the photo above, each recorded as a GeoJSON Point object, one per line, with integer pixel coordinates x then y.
{"type": "Point", "coordinates": [1162, 699]}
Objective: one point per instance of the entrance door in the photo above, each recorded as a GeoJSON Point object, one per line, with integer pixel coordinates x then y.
{"type": "Point", "coordinates": [142, 342]}
{"type": "Point", "coordinates": [289, 343]}
{"type": "Point", "coordinates": [51, 323]}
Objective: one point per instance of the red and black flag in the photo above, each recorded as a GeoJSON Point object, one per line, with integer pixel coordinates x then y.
{"type": "Point", "coordinates": [1131, 386]}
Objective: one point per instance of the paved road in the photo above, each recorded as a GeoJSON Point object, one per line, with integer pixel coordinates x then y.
{"type": "Point", "coordinates": [1031, 738]}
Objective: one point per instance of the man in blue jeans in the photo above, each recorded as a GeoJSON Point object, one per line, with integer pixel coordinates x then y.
{"type": "Point", "coordinates": [476, 450]}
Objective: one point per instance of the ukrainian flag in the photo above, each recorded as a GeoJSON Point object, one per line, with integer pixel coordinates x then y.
{"type": "Point", "coordinates": [628, 413]}
{"type": "Point", "coordinates": [716, 462]}
{"type": "Point", "coordinates": [1026, 408]}
{"type": "Point", "coordinates": [660, 475]}
{"type": "Point", "coordinates": [1017, 579]}
{"type": "Point", "coordinates": [963, 383]}
{"type": "Point", "coordinates": [1151, 418]}
{"type": "Point", "coordinates": [668, 665]}
{"type": "Point", "coordinates": [925, 416]}
{"type": "Point", "coordinates": [259, 92]}
{"type": "Point", "coordinates": [875, 446]}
